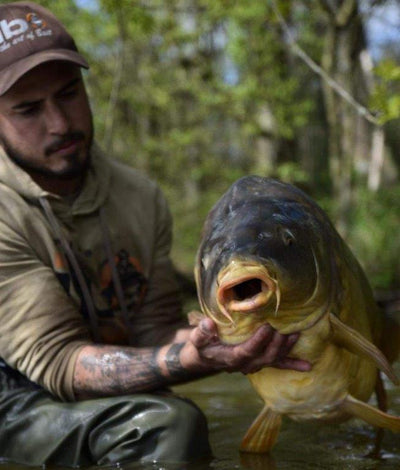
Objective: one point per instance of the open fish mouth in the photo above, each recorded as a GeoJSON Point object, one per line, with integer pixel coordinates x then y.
{"type": "Point", "coordinates": [244, 287]}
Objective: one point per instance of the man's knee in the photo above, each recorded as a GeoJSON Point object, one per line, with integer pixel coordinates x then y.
{"type": "Point", "coordinates": [151, 428]}
{"type": "Point", "coordinates": [187, 437]}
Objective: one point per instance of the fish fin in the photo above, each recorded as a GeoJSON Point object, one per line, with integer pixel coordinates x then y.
{"type": "Point", "coordinates": [263, 433]}
{"type": "Point", "coordinates": [371, 415]}
{"type": "Point", "coordinates": [352, 340]}
{"type": "Point", "coordinates": [195, 317]}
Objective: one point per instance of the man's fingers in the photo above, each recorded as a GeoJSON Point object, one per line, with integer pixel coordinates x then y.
{"type": "Point", "coordinates": [294, 364]}
{"type": "Point", "coordinates": [287, 343]}
{"type": "Point", "coordinates": [256, 344]}
{"type": "Point", "coordinates": [204, 334]}
{"type": "Point", "coordinates": [273, 350]}
{"type": "Point", "coordinates": [266, 347]}
{"type": "Point", "coordinates": [291, 341]}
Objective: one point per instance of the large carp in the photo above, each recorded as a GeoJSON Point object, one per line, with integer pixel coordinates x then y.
{"type": "Point", "coordinates": [270, 254]}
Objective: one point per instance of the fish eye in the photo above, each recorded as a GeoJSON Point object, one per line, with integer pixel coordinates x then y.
{"type": "Point", "coordinates": [288, 237]}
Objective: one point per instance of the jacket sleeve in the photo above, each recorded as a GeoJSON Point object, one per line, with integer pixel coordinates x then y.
{"type": "Point", "coordinates": [160, 314]}
{"type": "Point", "coordinates": [41, 330]}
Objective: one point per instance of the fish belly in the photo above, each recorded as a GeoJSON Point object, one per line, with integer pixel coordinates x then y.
{"type": "Point", "coordinates": [318, 394]}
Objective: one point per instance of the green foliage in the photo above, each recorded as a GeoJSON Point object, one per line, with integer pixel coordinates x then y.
{"type": "Point", "coordinates": [373, 236]}
{"type": "Point", "coordinates": [372, 233]}
{"type": "Point", "coordinates": [290, 172]}
{"type": "Point", "coordinates": [385, 98]}
{"type": "Point", "coordinates": [256, 45]}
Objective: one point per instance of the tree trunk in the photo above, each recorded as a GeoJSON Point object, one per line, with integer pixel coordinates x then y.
{"type": "Point", "coordinates": [267, 144]}
{"type": "Point", "coordinates": [377, 157]}
{"type": "Point", "coordinates": [349, 134]}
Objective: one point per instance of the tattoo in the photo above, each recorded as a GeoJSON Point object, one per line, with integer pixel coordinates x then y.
{"type": "Point", "coordinates": [154, 364]}
{"type": "Point", "coordinates": [111, 370]}
{"type": "Point", "coordinates": [107, 371]}
{"type": "Point", "coordinates": [174, 365]}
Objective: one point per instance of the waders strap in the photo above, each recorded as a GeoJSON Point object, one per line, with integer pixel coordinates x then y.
{"type": "Point", "coordinates": [67, 250]}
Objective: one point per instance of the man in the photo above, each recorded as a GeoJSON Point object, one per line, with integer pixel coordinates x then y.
{"type": "Point", "coordinates": [91, 332]}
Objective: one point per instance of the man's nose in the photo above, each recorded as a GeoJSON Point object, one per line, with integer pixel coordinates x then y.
{"type": "Point", "coordinates": [57, 120]}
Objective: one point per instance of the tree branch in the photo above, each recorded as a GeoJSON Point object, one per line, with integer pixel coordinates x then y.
{"type": "Point", "coordinates": [341, 13]}
{"type": "Point", "coordinates": [345, 12]}
{"type": "Point", "coordinates": [325, 4]}
{"type": "Point", "coordinates": [361, 110]}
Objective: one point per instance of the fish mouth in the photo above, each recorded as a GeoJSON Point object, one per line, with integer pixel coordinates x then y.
{"type": "Point", "coordinates": [245, 287]}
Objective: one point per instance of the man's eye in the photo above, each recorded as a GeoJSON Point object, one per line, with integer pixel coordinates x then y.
{"type": "Point", "coordinates": [70, 93]}
{"type": "Point", "coordinates": [29, 111]}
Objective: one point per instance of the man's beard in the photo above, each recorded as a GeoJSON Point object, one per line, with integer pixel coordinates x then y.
{"type": "Point", "coordinates": [75, 167]}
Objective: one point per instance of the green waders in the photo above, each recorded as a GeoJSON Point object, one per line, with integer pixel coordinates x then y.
{"type": "Point", "coordinates": [37, 429]}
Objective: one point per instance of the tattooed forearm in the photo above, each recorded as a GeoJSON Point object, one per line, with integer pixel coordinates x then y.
{"type": "Point", "coordinates": [174, 365]}
{"type": "Point", "coordinates": [111, 370]}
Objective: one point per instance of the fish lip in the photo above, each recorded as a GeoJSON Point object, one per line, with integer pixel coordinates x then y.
{"type": "Point", "coordinates": [232, 276]}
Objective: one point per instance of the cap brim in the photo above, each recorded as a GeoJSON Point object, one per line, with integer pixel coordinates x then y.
{"type": "Point", "coordinates": [13, 73]}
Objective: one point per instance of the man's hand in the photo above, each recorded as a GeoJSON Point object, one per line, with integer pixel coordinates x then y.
{"type": "Point", "coordinates": [265, 348]}
{"type": "Point", "coordinates": [106, 370]}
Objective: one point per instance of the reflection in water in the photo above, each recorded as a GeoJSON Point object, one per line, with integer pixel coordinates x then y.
{"type": "Point", "coordinates": [258, 462]}
{"type": "Point", "coordinates": [231, 405]}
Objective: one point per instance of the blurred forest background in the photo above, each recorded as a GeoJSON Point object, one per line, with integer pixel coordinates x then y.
{"type": "Point", "coordinates": [197, 93]}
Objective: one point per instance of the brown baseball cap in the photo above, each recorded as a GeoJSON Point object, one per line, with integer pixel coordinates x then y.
{"type": "Point", "coordinates": [30, 35]}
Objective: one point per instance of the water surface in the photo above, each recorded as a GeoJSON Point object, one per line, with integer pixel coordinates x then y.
{"type": "Point", "coordinates": [230, 405]}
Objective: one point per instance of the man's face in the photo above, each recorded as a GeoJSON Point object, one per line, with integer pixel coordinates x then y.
{"type": "Point", "coordinates": [46, 122]}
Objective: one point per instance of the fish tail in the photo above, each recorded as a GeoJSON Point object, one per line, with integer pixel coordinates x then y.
{"type": "Point", "coordinates": [263, 433]}
{"type": "Point", "coordinates": [371, 415]}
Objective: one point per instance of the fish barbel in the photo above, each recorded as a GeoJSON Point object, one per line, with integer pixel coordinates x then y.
{"type": "Point", "coordinates": [269, 254]}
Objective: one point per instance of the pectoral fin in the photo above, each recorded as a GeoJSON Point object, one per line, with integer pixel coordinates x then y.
{"type": "Point", "coordinates": [371, 415]}
{"type": "Point", "coordinates": [352, 340]}
{"type": "Point", "coordinates": [263, 433]}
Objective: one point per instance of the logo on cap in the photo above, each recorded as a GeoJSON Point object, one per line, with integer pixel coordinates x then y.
{"type": "Point", "coordinates": [35, 21]}
{"type": "Point", "coordinates": [9, 30]}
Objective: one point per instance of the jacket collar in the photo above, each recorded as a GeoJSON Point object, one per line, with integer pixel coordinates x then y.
{"type": "Point", "coordinates": [92, 195]}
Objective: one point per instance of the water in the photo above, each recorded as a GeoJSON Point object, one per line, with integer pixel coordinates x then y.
{"type": "Point", "coordinates": [230, 405]}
